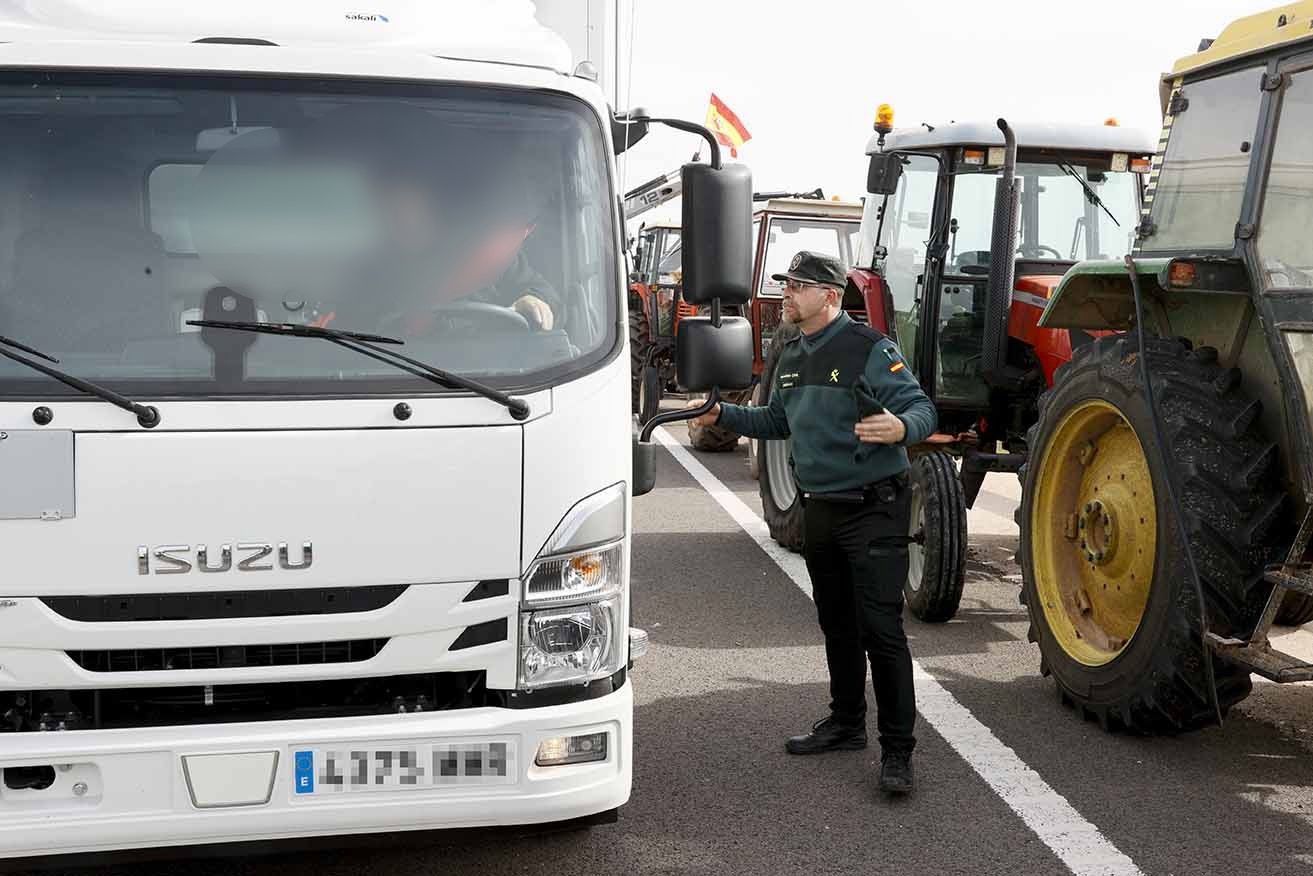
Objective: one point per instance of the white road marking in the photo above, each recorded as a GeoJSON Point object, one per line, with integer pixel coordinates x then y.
{"type": "Point", "coordinates": [1078, 843]}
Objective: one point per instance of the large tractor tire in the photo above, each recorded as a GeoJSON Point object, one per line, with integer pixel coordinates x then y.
{"type": "Point", "coordinates": [649, 394]}
{"type": "Point", "coordinates": [718, 439]}
{"type": "Point", "coordinates": [1296, 610]}
{"type": "Point", "coordinates": [937, 555]}
{"type": "Point", "coordinates": [640, 339]}
{"type": "Point", "coordinates": [754, 446]}
{"type": "Point", "coordinates": [1105, 579]}
{"type": "Point", "coordinates": [781, 501]}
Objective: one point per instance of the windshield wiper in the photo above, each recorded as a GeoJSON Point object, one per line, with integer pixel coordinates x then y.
{"type": "Point", "coordinates": [147, 415]}
{"type": "Point", "coordinates": [366, 345]}
{"type": "Point", "coordinates": [1089, 192]}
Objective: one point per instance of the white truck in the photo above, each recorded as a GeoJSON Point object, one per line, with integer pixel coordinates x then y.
{"type": "Point", "coordinates": [264, 571]}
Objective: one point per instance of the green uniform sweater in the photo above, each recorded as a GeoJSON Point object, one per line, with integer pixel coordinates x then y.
{"type": "Point", "coordinates": [818, 385]}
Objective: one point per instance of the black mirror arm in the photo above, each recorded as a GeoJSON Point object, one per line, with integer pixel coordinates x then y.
{"type": "Point", "coordinates": [675, 416]}
{"type": "Point", "coordinates": [691, 128]}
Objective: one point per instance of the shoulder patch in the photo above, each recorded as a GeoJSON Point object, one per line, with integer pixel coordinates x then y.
{"type": "Point", "coordinates": [893, 357]}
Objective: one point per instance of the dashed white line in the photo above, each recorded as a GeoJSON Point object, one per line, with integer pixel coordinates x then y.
{"type": "Point", "coordinates": [1078, 843]}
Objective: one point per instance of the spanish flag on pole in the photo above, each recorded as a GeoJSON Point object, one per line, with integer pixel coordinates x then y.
{"type": "Point", "coordinates": [726, 126]}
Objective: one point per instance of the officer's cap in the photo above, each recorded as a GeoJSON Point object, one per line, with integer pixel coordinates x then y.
{"type": "Point", "coordinates": [812, 267]}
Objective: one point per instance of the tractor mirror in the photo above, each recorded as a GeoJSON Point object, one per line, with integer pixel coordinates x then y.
{"type": "Point", "coordinates": [710, 356]}
{"type": "Point", "coordinates": [883, 175]}
{"type": "Point", "coordinates": [717, 234]}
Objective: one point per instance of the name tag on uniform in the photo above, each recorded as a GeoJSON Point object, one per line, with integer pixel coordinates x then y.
{"type": "Point", "coordinates": [788, 381]}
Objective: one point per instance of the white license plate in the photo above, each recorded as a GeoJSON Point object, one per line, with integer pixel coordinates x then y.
{"type": "Point", "coordinates": [387, 766]}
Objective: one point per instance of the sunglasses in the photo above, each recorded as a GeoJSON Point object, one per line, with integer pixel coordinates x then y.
{"type": "Point", "coordinates": [798, 286]}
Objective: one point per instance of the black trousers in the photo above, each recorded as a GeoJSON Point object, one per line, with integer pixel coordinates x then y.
{"type": "Point", "coordinates": [857, 557]}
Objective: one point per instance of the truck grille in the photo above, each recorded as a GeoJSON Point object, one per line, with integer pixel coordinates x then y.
{"type": "Point", "coordinates": [227, 656]}
{"type": "Point", "coordinates": [223, 605]}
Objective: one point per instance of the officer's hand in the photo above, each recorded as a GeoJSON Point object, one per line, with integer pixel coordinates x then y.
{"type": "Point", "coordinates": [707, 419]}
{"type": "Point", "coordinates": [534, 309]}
{"type": "Point", "coordinates": [880, 429]}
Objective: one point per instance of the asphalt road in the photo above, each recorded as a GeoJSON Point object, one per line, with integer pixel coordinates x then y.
{"type": "Point", "coordinates": [736, 666]}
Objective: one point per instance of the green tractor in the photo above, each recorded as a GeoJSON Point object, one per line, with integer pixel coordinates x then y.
{"type": "Point", "coordinates": [1167, 496]}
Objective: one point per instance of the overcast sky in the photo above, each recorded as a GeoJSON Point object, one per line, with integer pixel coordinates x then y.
{"type": "Point", "coordinates": [806, 77]}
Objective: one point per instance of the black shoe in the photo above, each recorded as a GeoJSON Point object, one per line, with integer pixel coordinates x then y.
{"type": "Point", "coordinates": [827, 735]}
{"type": "Point", "coordinates": [896, 773]}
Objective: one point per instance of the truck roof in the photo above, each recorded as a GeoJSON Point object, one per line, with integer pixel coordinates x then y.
{"type": "Point", "coordinates": [499, 31]}
{"type": "Point", "coordinates": [1282, 25]}
{"type": "Point", "coordinates": [1084, 138]}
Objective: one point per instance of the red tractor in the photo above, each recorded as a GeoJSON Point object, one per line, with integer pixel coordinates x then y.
{"type": "Point", "coordinates": [782, 225]}
{"type": "Point", "coordinates": [967, 230]}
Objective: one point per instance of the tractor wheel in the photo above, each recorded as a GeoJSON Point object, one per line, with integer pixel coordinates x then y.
{"type": "Point", "coordinates": [1296, 610]}
{"type": "Point", "coordinates": [717, 439]}
{"type": "Point", "coordinates": [937, 556]}
{"type": "Point", "coordinates": [649, 394]}
{"type": "Point", "coordinates": [640, 338]}
{"type": "Point", "coordinates": [781, 501]}
{"type": "Point", "coordinates": [1104, 574]}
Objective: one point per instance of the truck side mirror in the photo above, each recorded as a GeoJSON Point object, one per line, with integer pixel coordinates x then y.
{"type": "Point", "coordinates": [883, 174]}
{"type": "Point", "coordinates": [627, 128]}
{"type": "Point", "coordinates": [710, 356]}
{"type": "Point", "coordinates": [716, 237]}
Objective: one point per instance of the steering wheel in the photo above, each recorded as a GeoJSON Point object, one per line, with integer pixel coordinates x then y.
{"type": "Point", "coordinates": [1039, 247]}
{"type": "Point", "coordinates": [494, 316]}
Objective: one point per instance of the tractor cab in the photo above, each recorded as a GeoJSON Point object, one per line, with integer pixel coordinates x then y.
{"type": "Point", "coordinates": [962, 294]}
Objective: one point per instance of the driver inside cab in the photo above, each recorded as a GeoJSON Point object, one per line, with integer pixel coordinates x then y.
{"type": "Point", "coordinates": [455, 212]}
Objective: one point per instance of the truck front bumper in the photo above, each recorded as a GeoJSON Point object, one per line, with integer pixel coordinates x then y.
{"type": "Point", "coordinates": [172, 786]}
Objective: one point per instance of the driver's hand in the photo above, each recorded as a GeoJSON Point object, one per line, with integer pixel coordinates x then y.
{"type": "Point", "coordinates": [534, 309]}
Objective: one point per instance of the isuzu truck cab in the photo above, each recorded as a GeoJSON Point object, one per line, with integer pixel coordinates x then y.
{"type": "Point", "coordinates": [315, 441]}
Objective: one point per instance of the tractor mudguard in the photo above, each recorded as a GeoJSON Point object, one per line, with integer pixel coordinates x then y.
{"type": "Point", "coordinates": [1097, 295]}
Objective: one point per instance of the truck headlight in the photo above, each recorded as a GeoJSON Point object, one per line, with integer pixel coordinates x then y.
{"type": "Point", "coordinates": [572, 622]}
{"type": "Point", "coordinates": [592, 574]}
{"type": "Point", "coordinates": [571, 645]}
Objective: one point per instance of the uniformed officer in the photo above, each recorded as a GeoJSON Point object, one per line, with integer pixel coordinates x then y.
{"type": "Point", "coordinates": [846, 397]}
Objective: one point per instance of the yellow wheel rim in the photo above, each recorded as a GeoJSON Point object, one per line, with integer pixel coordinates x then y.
{"type": "Point", "coordinates": [1093, 531]}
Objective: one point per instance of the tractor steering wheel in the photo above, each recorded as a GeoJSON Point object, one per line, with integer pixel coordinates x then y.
{"type": "Point", "coordinates": [1026, 252]}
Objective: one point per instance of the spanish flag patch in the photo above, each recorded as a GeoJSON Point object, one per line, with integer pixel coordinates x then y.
{"type": "Point", "coordinates": [896, 367]}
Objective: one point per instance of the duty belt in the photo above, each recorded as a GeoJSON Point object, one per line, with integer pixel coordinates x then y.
{"type": "Point", "coordinates": [879, 492]}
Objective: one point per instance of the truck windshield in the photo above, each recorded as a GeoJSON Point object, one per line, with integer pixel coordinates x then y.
{"type": "Point", "coordinates": [475, 224]}
{"type": "Point", "coordinates": [1058, 220]}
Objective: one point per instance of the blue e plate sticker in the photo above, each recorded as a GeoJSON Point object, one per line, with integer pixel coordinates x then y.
{"type": "Point", "coordinates": [305, 772]}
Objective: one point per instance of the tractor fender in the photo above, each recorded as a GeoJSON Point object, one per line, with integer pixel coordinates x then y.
{"type": "Point", "coordinates": [1096, 295]}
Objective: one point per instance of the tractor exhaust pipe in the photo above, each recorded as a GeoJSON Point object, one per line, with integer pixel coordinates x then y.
{"type": "Point", "coordinates": [1002, 258]}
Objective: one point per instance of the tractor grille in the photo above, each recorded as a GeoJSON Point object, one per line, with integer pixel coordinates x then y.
{"type": "Point", "coordinates": [227, 656]}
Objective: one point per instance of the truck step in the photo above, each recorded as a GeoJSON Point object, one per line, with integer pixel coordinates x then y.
{"type": "Point", "coordinates": [1261, 659]}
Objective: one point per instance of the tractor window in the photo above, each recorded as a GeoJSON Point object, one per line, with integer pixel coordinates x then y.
{"type": "Point", "coordinates": [1283, 241]}
{"type": "Point", "coordinates": [1196, 204]}
{"type": "Point", "coordinates": [786, 237]}
{"type": "Point", "coordinates": [1056, 219]}
{"type": "Point", "coordinates": [905, 232]}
